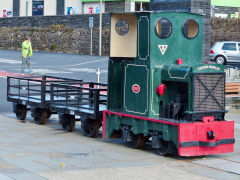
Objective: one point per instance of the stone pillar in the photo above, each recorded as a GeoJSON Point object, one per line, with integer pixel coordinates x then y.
{"type": "Point", "coordinates": [203, 7]}
{"type": "Point", "coordinates": [16, 6]}
{"type": "Point", "coordinates": [129, 6]}
{"type": "Point", "coordinates": [60, 7]}
{"type": "Point", "coordinates": [212, 10]}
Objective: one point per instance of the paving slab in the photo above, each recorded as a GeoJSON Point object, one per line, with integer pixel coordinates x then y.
{"type": "Point", "coordinates": [3, 177]}
{"type": "Point", "coordinates": [30, 151]}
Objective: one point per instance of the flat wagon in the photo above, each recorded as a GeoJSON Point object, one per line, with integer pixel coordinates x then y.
{"type": "Point", "coordinates": [86, 100]}
{"type": "Point", "coordinates": [32, 93]}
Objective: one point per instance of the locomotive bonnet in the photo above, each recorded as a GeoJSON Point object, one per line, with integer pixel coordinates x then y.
{"type": "Point", "coordinates": [159, 89]}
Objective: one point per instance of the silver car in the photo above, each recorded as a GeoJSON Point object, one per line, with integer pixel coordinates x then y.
{"type": "Point", "coordinates": [226, 51]}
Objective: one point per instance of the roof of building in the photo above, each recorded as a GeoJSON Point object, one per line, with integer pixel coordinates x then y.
{"type": "Point", "coordinates": [227, 3]}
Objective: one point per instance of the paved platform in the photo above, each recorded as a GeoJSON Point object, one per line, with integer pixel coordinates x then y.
{"type": "Point", "coordinates": [29, 151]}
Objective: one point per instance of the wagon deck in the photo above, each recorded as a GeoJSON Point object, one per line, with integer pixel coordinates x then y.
{"type": "Point", "coordinates": [32, 93]}
{"type": "Point", "coordinates": [85, 99]}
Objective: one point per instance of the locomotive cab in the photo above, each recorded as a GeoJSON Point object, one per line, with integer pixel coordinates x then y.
{"type": "Point", "coordinates": [151, 49]}
{"type": "Point", "coordinates": [158, 86]}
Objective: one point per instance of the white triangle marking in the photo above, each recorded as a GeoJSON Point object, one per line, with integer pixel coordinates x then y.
{"type": "Point", "coordinates": [163, 48]}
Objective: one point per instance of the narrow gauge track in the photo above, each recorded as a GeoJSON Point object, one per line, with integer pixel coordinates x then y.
{"type": "Point", "coordinates": [206, 161]}
{"type": "Point", "coordinates": [148, 148]}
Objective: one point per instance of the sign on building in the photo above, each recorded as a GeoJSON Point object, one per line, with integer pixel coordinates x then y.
{"type": "Point", "coordinates": [93, 8]}
{"type": "Point", "coordinates": [37, 7]}
{"type": "Point", "coordinates": [73, 10]}
{"type": "Point", "coordinates": [7, 13]}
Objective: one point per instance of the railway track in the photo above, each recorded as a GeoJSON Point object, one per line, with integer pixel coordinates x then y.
{"type": "Point", "coordinates": [220, 164]}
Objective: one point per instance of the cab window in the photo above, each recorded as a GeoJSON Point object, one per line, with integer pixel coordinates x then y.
{"type": "Point", "coordinates": [229, 47]}
{"type": "Point", "coordinates": [190, 29]}
{"type": "Point", "coordinates": [163, 28]}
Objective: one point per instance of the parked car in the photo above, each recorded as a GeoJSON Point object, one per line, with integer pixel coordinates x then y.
{"type": "Point", "coordinates": [226, 51]}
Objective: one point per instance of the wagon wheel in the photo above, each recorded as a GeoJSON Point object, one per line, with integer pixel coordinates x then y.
{"type": "Point", "coordinates": [49, 113]}
{"type": "Point", "coordinates": [68, 122]}
{"type": "Point", "coordinates": [39, 115]}
{"type": "Point", "coordinates": [138, 141]}
{"type": "Point", "coordinates": [21, 111]}
{"type": "Point", "coordinates": [166, 149]}
{"type": "Point", "coordinates": [90, 127]}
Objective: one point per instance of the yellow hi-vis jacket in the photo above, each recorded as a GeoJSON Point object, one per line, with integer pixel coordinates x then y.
{"type": "Point", "coordinates": [26, 49]}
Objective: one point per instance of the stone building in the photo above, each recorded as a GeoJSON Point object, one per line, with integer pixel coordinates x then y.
{"type": "Point", "coordinates": [27, 7]}
{"type": "Point", "coordinates": [11, 8]}
{"type": "Point", "coordinates": [90, 6]}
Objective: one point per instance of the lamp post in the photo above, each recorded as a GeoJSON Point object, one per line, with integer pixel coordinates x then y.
{"type": "Point", "coordinates": [100, 28]}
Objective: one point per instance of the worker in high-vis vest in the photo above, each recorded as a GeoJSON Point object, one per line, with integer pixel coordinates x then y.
{"type": "Point", "coordinates": [26, 54]}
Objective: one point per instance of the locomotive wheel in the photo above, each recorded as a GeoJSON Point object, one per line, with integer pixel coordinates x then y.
{"type": "Point", "coordinates": [68, 122]}
{"type": "Point", "coordinates": [138, 141]}
{"type": "Point", "coordinates": [21, 112]}
{"type": "Point", "coordinates": [163, 151]}
{"type": "Point", "coordinates": [166, 149]}
{"type": "Point", "coordinates": [90, 127]}
{"type": "Point", "coordinates": [39, 115]}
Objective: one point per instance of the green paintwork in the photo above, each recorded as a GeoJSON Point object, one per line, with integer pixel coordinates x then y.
{"type": "Point", "coordinates": [189, 50]}
{"type": "Point", "coordinates": [178, 46]}
{"type": "Point", "coordinates": [176, 73]}
{"type": "Point", "coordinates": [136, 102]}
{"type": "Point", "coordinates": [208, 68]}
{"type": "Point", "coordinates": [143, 31]}
{"type": "Point", "coordinates": [150, 69]}
{"type": "Point", "coordinates": [115, 86]}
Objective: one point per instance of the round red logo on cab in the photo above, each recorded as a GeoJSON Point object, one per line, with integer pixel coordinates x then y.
{"type": "Point", "coordinates": [136, 88]}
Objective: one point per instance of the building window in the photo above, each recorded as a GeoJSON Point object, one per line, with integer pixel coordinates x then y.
{"type": "Point", "coordinates": [37, 7]}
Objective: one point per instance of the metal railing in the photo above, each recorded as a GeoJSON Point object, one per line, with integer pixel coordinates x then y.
{"type": "Point", "coordinates": [34, 89]}
{"type": "Point", "coordinates": [84, 97]}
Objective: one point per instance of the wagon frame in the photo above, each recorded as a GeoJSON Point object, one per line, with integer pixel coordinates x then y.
{"type": "Point", "coordinates": [32, 93]}
{"type": "Point", "coordinates": [85, 99]}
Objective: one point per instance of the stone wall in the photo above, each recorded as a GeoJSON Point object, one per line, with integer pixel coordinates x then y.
{"type": "Point", "coordinates": [71, 34]}
{"type": "Point", "coordinates": [68, 34]}
{"type": "Point", "coordinates": [225, 30]}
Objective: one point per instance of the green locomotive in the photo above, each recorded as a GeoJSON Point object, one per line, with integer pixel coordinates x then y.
{"type": "Point", "coordinates": [159, 89]}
